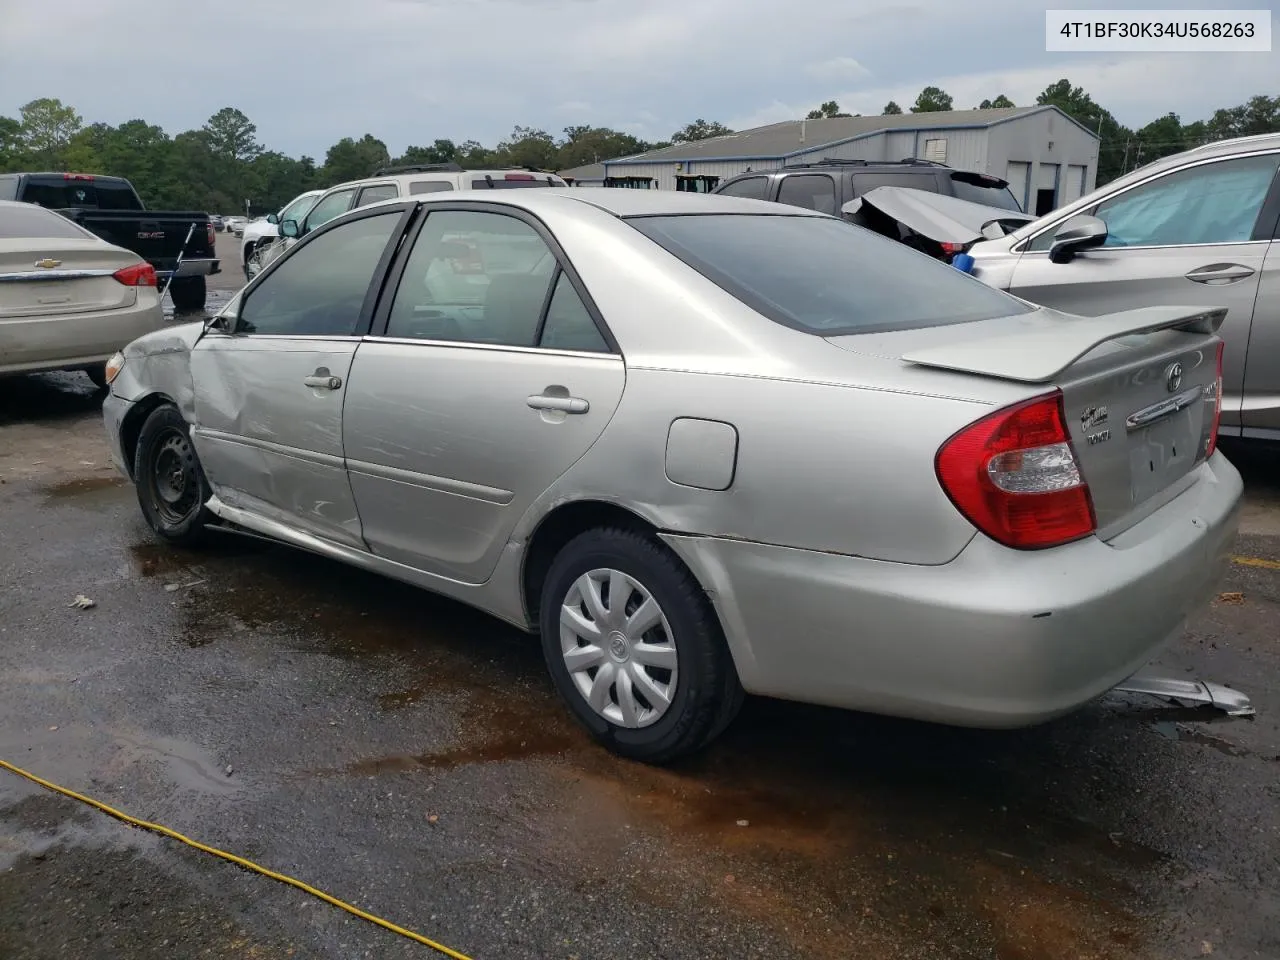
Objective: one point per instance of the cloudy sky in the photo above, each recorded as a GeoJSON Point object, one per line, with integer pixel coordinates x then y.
{"type": "Point", "coordinates": [309, 72]}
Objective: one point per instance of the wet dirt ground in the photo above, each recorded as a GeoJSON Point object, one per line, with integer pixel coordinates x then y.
{"type": "Point", "coordinates": [408, 755]}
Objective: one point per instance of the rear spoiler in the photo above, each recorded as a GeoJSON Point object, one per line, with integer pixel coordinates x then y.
{"type": "Point", "coordinates": [1051, 342]}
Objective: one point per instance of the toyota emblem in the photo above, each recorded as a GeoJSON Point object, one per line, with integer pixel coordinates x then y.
{"type": "Point", "coordinates": [1173, 377]}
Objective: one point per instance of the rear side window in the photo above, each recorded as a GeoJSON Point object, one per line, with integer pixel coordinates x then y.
{"type": "Point", "coordinates": [380, 191]}
{"type": "Point", "coordinates": [809, 190]}
{"type": "Point", "coordinates": [430, 186]}
{"type": "Point", "coordinates": [753, 188]}
{"type": "Point", "coordinates": [89, 194]}
{"type": "Point", "coordinates": [24, 221]}
{"type": "Point", "coordinates": [825, 276]}
{"type": "Point", "coordinates": [865, 182]}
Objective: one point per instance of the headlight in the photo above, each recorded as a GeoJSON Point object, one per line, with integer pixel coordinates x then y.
{"type": "Point", "coordinates": [114, 366]}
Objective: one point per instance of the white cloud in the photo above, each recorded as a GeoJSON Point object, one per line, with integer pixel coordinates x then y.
{"type": "Point", "coordinates": [837, 68]}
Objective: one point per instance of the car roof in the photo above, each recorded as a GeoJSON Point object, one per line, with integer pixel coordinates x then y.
{"type": "Point", "coordinates": [420, 176]}
{"type": "Point", "coordinates": [618, 201]}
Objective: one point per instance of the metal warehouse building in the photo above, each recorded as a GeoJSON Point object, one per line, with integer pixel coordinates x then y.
{"type": "Point", "coordinates": [1048, 158]}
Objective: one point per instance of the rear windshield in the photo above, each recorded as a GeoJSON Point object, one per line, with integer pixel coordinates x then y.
{"type": "Point", "coordinates": [993, 194]}
{"type": "Point", "coordinates": [93, 194]}
{"type": "Point", "coordinates": [823, 275]}
{"type": "Point", "coordinates": [501, 183]}
{"type": "Point", "coordinates": [27, 221]}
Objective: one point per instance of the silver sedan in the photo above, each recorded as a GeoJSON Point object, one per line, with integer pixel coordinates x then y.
{"type": "Point", "coordinates": [705, 445]}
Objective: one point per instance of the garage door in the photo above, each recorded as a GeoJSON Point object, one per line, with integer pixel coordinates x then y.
{"type": "Point", "coordinates": [1017, 174]}
{"type": "Point", "coordinates": [1072, 184]}
{"type": "Point", "coordinates": [1046, 198]}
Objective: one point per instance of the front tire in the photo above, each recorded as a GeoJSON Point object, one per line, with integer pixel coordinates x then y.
{"type": "Point", "coordinates": [634, 647]}
{"type": "Point", "coordinates": [188, 293]}
{"type": "Point", "coordinates": [172, 489]}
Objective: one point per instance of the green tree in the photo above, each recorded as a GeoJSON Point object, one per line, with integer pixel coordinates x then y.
{"type": "Point", "coordinates": [48, 127]}
{"type": "Point", "coordinates": [1000, 101]}
{"type": "Point", "coordinates": [1160, 138]}
{"type": "Point", "coordinates": [700, 130]}
{"type": "Point", "coordinates": [440, 151]}
{"type": "Point", "coordinates": [11, 145]}
{"type": "Point", "coordinates": [891, 109]}
{"type": "Point", "coordinates": [584, 144]}
{"type": "Point", "coordinates": [232, 135]}
{"type": "Point", "coordinates": [354, 159]}
{"type": "Point", "coordinates": [527, 147]}
{"type": "Point", "coordinates": [472, 155]}
{"type": "Point", "coordinates": [931, 100]}
{"type": "Point", "coordinates": [1261, 114]}
{"type": "Point", "coordinates": [826, 111]}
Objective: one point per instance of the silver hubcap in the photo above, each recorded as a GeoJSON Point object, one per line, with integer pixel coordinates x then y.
{"type": "Point", "coordinates": [618, 648]}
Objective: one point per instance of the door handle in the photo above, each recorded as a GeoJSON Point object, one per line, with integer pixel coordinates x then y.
{"type": "Point", "coordinates": [323, 380]}
{"type": "Point", "coordinates": [541, 401]}
{"type": "Point", "coordinates": [1219, 273]}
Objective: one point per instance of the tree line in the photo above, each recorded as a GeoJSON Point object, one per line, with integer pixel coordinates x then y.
{"type": "Point", "coordinates": [221, 165]}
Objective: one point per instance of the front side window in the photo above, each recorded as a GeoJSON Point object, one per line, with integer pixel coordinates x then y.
{"type": "Point", "coordinates": [297, 210]}
{"type": "Point", "coordinates": [320, 288]}
{"type": "Point", "coordinates": [328, 208]}
{"type": "Point", "coordinates": [1211, 203]}
{"type": "Point", "coordinates": [377, 192]}
{"type": "Point", "coordinates": [753, 188]}
{"type": "Point", "coordinates": [825, 276]}
{"type": "Point", "coordinates": [475, 277]}
{"type": "Point", "coordinates": [809, 190]}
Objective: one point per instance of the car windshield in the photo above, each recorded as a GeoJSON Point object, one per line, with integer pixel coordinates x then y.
{"type": "Point", "coordinates": [994, 194]}
{"type": "Point", "coordinates": [823, 275]}
{"type": "Point", "coordinates": [298, 209]}
{"type": "Point", "coordinates": [22, 221]}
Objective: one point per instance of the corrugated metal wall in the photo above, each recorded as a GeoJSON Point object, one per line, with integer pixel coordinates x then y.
{"type": "Point", "coordinates": [665, 172]}
{"type": "Point", "coordinates": [1053, 147]}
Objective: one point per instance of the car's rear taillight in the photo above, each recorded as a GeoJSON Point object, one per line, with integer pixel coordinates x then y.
{"type": "Point", "coordinates": [139, 275]}
{"type": "Point", "coordinates": [1015, 476]}
{"type": "Point", "coordinates": [1214, 395]}
{"type": "Point", "coordinates": [949, 250]}
{"type": "Point", "coordinates": [518, 176]}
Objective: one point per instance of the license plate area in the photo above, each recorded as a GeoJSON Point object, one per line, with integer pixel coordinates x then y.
{"type": "Point", "coordinates": [1163, 452]}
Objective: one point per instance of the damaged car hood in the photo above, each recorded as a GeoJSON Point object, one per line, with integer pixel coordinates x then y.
{"type": "Point", "coordinates": [941, 218]}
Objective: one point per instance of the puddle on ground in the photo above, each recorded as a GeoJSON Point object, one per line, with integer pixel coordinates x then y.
{"type": "Point", "coordinates": [78, 487]}
{"type": "Point", "coordinates": [1180, 732]}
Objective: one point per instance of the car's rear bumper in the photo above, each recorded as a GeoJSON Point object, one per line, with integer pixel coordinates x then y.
{"type": "Point", "coordinates": [995, 638]}
{"type": "Point", "coordinates": [69, 341]}
{"type": "Point", "coordinates": [189, 268]}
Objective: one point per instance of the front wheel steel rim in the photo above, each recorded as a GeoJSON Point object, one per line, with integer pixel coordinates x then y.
{"type": "Point", "coordinates": [174, 483]}
{"type": "Point", "coordinates": [618, 648]}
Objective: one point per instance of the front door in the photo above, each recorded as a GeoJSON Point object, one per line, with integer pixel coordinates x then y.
{"type": "Point", "coordinates": [1187, 238]}
{"type": "Point", "coordinates": [269, 392]}
{"type": "Point", "coordinates": [491, 378]}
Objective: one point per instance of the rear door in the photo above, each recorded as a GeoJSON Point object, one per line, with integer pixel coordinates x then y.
{"type": "Point", "coordinates": [1191, 237]}
{"type": "Point", "coordinates": [488, 377]}
{"type": "Point", "coordinates": [269, 392]}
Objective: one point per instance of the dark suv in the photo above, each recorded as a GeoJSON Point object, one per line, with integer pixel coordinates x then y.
{"type": "Point", "coordinates": [829, 184]}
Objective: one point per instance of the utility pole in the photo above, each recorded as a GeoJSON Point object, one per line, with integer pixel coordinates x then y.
{"type": "Point", "coordinates": [1124, 167]}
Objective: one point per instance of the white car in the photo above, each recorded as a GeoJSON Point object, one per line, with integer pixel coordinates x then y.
{"type": "Point", "coordinates": [262, 232]}
{"type": "Point", "coordinates": [68, 299]}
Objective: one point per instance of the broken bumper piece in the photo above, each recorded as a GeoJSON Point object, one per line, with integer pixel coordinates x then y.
{"type": "Point", "coordinates": [1198, 692]}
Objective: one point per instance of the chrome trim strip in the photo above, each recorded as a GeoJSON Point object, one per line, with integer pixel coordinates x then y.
{"type": "Point", "coordinates": [458, 488]}
{"type": "Point", "coordinates": [24, 275]}
{"type": "Point", "coordinates": [308, 456]}
{"type": "Point", "coordinates": [1158, 411]}
{"type": "Point", "coordinates": [498, 347]}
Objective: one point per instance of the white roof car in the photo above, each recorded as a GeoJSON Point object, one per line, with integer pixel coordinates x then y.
{"type": "Point", "coordinates": [264, 230]}
{"type": "Point", "coordinates": [394, 182]}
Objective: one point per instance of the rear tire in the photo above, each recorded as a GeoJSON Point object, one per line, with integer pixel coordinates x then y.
{"type": "Point", "coordinates": [188, 293]}
{"type": "Point", "coordinates": [648, 673]}
{"type": "Point", "coordinates": [172, 489]}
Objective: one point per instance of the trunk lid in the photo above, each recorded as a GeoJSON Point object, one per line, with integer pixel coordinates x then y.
{"type": "Point", "coordinates": [61, 276]}
{"type": "Point", "coordinates": [1139, 390]}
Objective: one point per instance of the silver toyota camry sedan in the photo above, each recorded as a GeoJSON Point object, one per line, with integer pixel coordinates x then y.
{"type": "Point", "coordinates": [705, 445]}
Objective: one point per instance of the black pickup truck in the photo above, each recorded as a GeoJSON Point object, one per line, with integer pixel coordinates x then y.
{"type": "Point", "coordinates": [111, 208]}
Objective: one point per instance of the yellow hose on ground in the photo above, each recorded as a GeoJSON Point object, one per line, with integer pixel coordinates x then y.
{"type": "Point", "coordinates": [239, 861]}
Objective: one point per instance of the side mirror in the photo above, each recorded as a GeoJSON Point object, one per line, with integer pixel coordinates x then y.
{"type": "Point", "coordinates": [1077, 234]}
{"type": "Point", "coordinates": [272, 218]}
{"type": "Point", "coordinates": [290, 229]}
